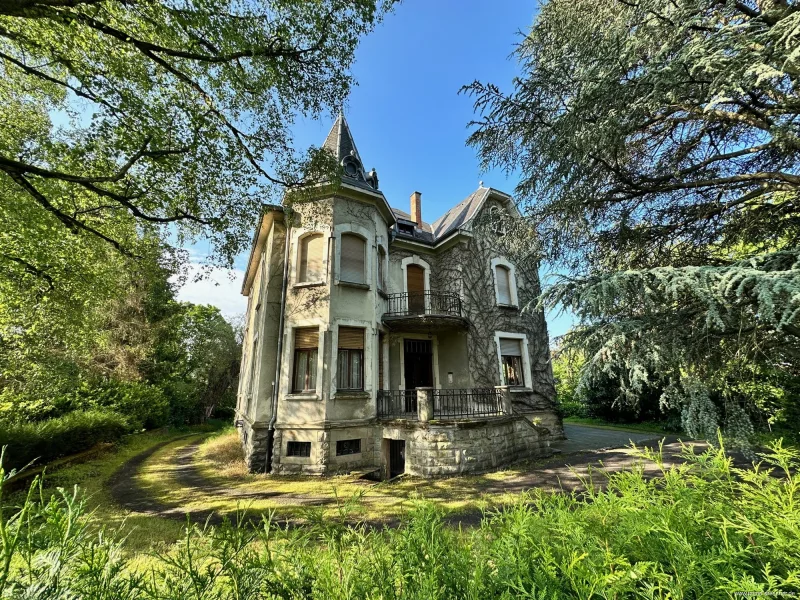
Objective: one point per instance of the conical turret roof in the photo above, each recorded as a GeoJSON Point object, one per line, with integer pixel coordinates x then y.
{"type": "Point", "coordinates": [341, 144]}
{"type": "Point", "coordinates": [340, 140]}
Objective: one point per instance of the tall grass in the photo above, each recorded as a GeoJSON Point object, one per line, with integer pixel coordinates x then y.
{"type": "Point", "coordinates": [702, 530]}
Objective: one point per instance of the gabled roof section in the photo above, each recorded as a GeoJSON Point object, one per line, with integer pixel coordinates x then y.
{"type": "Point", "coordinates": [340, 141]}
{"type": "Point", "coordinates": [458, 216]}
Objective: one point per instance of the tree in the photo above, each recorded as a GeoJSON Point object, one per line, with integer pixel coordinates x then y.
{"type": "Point", "coordinates": [173, 113]}
{"type": "Point", "coordinates": [659, 147]}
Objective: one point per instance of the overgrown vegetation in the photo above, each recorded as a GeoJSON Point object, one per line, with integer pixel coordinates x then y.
{"type": "Point", "coordinates": [657, 142]}
{"type": "Point", "coordinates": [128, 133]}
{"type": "Point", "coordinates": [705, 530]}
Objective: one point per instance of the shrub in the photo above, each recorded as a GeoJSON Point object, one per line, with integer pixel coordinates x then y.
{"type": "Point", "coordinates": [143, 405]}
{"type": "Point", "coordinates": [46, 440]}
{"type": "Point", "coordinates": [703, 530]}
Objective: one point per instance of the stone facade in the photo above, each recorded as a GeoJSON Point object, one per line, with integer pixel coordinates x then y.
{"type": "Point", "coordinates": [469, 446]}
{"type": "Point", "coordinates": [326, 427]}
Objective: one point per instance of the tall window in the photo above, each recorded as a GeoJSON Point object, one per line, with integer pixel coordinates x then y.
{"type": "Point", "coordinates": [306, 341]}
{"type": "Point", "coordinates": [353, 258]}
{"type": "Point", "coordinates": [502, 276]}
{"type": "Point", "coordinates": [350, 361]}
{"type": "Point", "coordinates": [511, 360]}
{"type": "Point", "coordinates": [311, 251]}
{"type": "Point", "coordinates": [381, 268]}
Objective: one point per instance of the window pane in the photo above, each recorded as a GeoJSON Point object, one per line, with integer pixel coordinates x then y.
{"type": "Point", "coordinates": [300, 370]}
{"type": "Point", "coordinates": [355, 370]}
{"type": "Point", "coordinates": [512, 370]}
{"type": "Point", "coordinates": [342, 368]}
{"type": "Point", "coordinates": [312, 369]}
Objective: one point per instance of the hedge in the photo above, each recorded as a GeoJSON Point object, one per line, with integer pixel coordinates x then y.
{"type": "Point", "coordinates": [74, 432]}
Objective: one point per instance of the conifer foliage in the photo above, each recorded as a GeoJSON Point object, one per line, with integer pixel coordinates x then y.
{"type": "Point", "coordinates": [659, 146]}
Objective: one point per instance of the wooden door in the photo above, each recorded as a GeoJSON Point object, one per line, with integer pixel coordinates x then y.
{"type": "Point", "coordinates": [415, 282]}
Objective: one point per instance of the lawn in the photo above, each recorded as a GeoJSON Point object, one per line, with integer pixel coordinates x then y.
{"type": "Point", "coordinates": [648, 427]}
{"type": "Point", "coordinates": [229, 487]}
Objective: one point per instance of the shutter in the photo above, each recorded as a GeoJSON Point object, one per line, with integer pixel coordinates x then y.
{"type": "Point", "coordinates": [352, 259]}
{"type": "Point", "coordinates": [311, 258]}
{"type": "Point", "coordinates": [510, 347]}
{"type": "Point", "coordinates": [503, 277]}
{"type": "Point", "coordinates": [307, 337]}
{"type": "Point", "coordinates": [381, 269]}
{"type": "Point", "coordinates": [416, 279]}
{"type": "Point", "coordinates": [351, 338]}
{"type": "Point", "coordinates": [380, 361]}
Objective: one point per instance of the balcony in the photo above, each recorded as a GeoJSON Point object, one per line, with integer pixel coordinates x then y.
{"type": "Point", "coordinates": [426, 404]}
{"type": "Point", "coordinates": [424, 311]}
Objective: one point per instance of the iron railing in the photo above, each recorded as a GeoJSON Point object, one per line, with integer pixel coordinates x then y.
{"type": "Point", "coordinates": [446, 404]}
{"type": "Point", "coordinates": [423, 303]}
{"type": "Point", "coordinates": [397, 404]}
{"type": "Point", "coordinates": [486, 402]}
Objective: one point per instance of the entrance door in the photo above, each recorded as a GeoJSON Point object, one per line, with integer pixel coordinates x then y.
{"type": "Point", "coordinates": [418, 369]}
{"type": "Point", "coordinates": [415, 282]}
{"type": "Point", "coordinates": [418, 363]}
{"type": "Point", "coordinates": [397, 458]}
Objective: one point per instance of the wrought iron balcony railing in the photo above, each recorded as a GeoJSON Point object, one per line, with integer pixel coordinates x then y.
{"type": "Point", "coordinates": [408, 304]}
{"type": "Point", "coordinates": [452, 404]}
{"type": "Point", "coordinates": [397, 404]}
{"type": "Point", "coordinates": [479, 402]}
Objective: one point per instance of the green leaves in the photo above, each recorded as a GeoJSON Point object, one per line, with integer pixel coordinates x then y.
{"type": "Point", "coordinates": [657, 143]}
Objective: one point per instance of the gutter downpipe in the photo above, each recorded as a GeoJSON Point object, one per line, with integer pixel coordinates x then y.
{"type": "Point", "coordinates": [278, 364]}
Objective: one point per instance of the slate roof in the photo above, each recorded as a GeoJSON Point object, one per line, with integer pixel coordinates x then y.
{"type": "Point", "coordinates": [341, 143]}
{"type": "Point", "coordinates": [340, 140]}
{"type": "Point", "coordinates": [460, 214]}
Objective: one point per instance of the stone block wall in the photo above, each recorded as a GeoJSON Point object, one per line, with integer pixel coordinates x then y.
{"type": "Point", "coordinates": [254, 441]}
{"type": "Point", "coordinates": [434, 450]}
{"type": "Point", "coordinates": [323, 459]}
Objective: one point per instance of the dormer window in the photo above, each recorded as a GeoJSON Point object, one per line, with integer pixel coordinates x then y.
{"type": "Point", "coordinates": [405, 228]}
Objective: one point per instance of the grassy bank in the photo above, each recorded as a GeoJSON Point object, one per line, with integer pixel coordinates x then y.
{"type": "Point", "coordinates": [703, 530]}
{"type": "Point", "coordinates": [144, 532]}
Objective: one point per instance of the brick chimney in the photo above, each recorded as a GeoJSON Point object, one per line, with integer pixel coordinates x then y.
{"type": "Point", "coordinates": [416, 208]}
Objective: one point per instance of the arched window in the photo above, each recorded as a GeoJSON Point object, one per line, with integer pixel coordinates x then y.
{"type": "Point", "coordinates": [381, 268]}
{"type": "Point", "coordinates": [502, 276]}
{"type": "Point", "coordinates": [353, 259]}
{"type": "Point", "coordinates": [311, 252]}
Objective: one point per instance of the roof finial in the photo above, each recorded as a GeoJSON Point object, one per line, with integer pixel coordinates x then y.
{"type": "Point", "coordinates": [480, 183]}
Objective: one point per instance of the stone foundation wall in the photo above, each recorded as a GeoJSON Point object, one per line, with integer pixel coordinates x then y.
{"type": "Point", "coordinates": [254, 438]}
{"type": "Point", "coordinates": [548, 419]}
{"type": "Point", "coordinates": [323, 459]}
{"type": "Point", "coordinates": [469, 446]}
{"type": "Point", "coordinates": [432, 449]}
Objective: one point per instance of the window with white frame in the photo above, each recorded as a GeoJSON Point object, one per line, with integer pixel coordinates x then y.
{"type": "Point", "coordinates": [505, 282]}
{"type": "Point", "coordinates": [311, 258]}
{"type": "Point", "coordinates": [353, 259]}
{"type": "Point", "coordinates": [306, 343]}
{"type": "Point", "coordinates": [502, 276]}
{"type": "Point", "coordinates": [511, 363]}
{"type": "Point", "coordinates": [350, 359]}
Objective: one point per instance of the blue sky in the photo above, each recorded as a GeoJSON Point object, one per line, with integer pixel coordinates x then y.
{"type": "Point", "coordinates": [406, 115]}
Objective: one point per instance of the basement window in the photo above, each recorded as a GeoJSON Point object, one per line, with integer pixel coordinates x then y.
{"type": "Point", "coordinates": [298, 449]}
{"type": "Point", "coordinates": [344, 447]}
